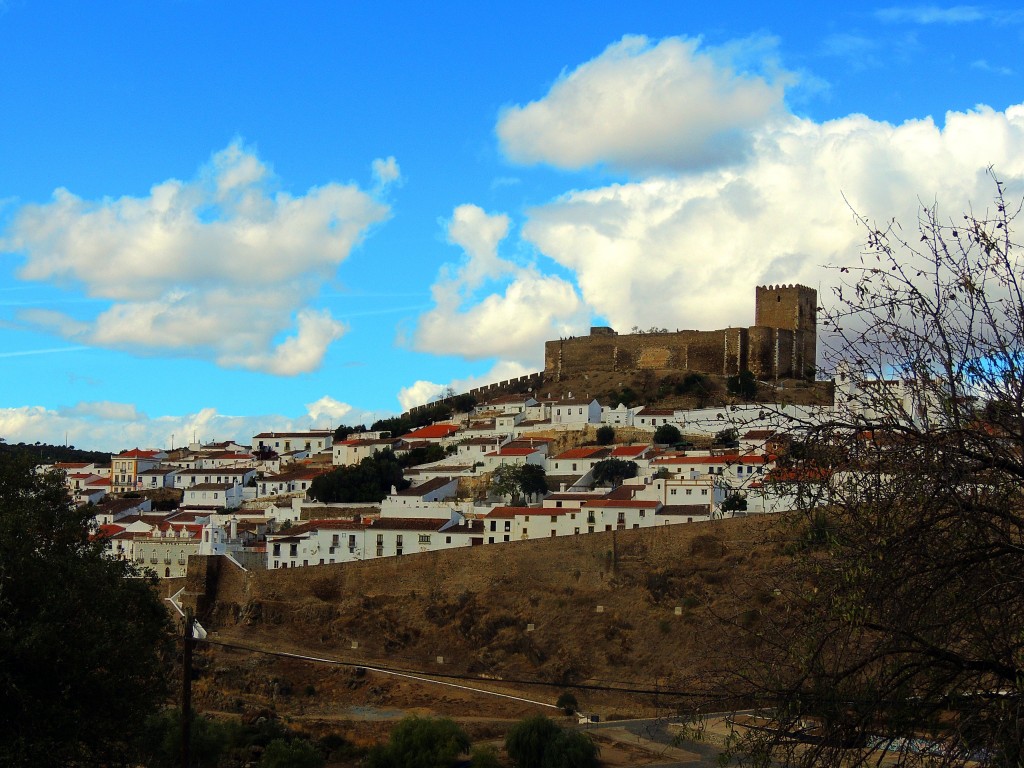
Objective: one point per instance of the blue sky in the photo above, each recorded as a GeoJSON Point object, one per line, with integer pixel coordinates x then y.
{"type": "Point", "coordinates": [218, 218]}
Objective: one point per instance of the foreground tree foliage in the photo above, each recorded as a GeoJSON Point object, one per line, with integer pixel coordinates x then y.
{"type": "Point", "coordinates": [538, 742]}
{"type": "Point", "coordinates": [83, 638]}
{"type": "Point", "coordinates": [421, 742]}
{"type": "Point", "coordinates": [229, 743]}
{"type": "Point", "coordinates": [902, 633]}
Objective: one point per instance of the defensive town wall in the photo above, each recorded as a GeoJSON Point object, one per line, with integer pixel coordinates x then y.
{"type": "Point", "coordinates": [530, 381]}
{"type": "Point", "coordinates": [782, 343]}
{"type": "Point", "coordinates": [218, 589]}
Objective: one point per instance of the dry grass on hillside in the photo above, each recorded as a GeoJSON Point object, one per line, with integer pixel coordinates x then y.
{"type": "Point", "coordinates": [646, 609]}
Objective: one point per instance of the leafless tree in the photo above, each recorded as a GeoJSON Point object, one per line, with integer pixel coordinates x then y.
{"type": "Point", "coordinates": [898, 626]}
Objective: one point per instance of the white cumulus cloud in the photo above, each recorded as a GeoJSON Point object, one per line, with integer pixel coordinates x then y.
{"type": "Point", "coordinates": [328, 409]}
{"type": "Point", "coordinates": [512, 319]}
{"type": "Point", "coordinates": [386, 171]}
{"type": "Point", "coordinates": [222, 267]}
{"type": "Point", "coordinates": [641, 106]}
{"type": "Point", "coordinates": [687, 250]}
{"type": "Point", "coordinates": [111, 426]}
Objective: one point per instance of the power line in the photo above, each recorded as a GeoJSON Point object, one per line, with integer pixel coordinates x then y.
{"type": "Point", "coordinates": [456, 676]}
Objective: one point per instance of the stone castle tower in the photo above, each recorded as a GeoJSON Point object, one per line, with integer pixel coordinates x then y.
{"type": "Point", "coordinates": [782, 343]}
{"type": "Point", "coordinates": [790, 308]}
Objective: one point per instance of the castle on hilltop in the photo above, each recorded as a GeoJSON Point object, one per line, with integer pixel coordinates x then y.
{"type": "Point", "coordinates": [782, 343]}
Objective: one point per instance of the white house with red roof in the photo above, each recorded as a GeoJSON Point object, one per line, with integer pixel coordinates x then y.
{"type": "Point", "coordinates": [441, 434]}
{"type": "Point", "coordinates": [577, 460]}
{"type": "Point", "coordinates": [652, 418]}
{"type": "Point", "coordinates": [296, 481]}
{"type": "Point", "coordinates": [215, 497]}
{"type": "Point", "coordinates": [515, 453]}
{"type": "Point", "coordinates": [508, 404]}
{"type": "Point", "coordinates": [702, 493]}
{"type": "Point", "coordinates": [474, 448]}
{"type": "Point", "coordinates": [503, 524]}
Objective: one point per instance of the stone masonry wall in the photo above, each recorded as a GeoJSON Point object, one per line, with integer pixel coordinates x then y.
{"type": "Point", "coordinates": [781, 344]}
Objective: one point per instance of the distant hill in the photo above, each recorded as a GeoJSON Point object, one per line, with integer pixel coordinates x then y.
{"type": "Point", "coordinates": [43, 453]}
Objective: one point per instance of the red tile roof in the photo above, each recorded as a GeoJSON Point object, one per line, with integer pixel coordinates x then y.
{"type": "Point", "coordinates": [586, 452]}
{"type": "Point", "coordinates": [432, 431]}
{"type": "Point", "coordinates": [408, 523]}
{"type": "Point", "coordinates": [136, 453]}
{"type": "Point", "coordinates": [509, 512]}
{"type": "Point", "coordinates": [630, 450]}
{"type": "Point", "coordinates": [510, 451]}
{"type": "Point", "coordinates": [424, 488]}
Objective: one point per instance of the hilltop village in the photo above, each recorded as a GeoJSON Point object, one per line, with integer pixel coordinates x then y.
{"type": "Point", "coordinates": [507, 467]}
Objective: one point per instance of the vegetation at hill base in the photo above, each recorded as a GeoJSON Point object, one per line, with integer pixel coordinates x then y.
{"type": "Point", "coordinates": [261, 741]}
{"type": "Point", "coordinates": [667, 434]}
{"type": "Point", "coordinates": [902, 636]}
{"type": "Point", "coordinates": [518, 481]}
{"type": "Point", "coordinates": [613, 471]}
{"type": "Point", "coordinates": [368, 481]}
{"type": "Point", "coordinates": [421, 742]}
{"type": "Point", "coordinates": [43, 453]}
{"type": "Point", "coordinates": [538, 741]}
{"type": "Point", "coordinates": [84, 639]}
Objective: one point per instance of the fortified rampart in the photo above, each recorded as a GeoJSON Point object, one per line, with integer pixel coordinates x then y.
{"type": "Point", "coordinates": [530, 381]}
{"type": "Point", "coordinates": [782, 343]}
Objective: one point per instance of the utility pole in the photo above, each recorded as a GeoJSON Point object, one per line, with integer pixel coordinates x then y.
{"type": "Point", "coordinates": [186, 689]}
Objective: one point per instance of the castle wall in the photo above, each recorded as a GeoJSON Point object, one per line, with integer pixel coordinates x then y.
{"type": "Point", "coordinates": [781, 344]}
{"type": "Point", "coordinates": [721, 352]}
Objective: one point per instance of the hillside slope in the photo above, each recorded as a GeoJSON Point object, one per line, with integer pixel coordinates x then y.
{"type": "Point", "coordinates": [626, 609]}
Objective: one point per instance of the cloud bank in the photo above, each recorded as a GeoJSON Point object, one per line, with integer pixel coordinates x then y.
{"type": "Point", "coordinates": [683, 246]}
{"type": "Point", "coordinates": [510, 323]}
{"type": "Point", "coordinates": [223, 267]}
{"type": "Point", "coordinates": [110, 426]}
{"type": "Point", "coordinates": [641, 106]}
